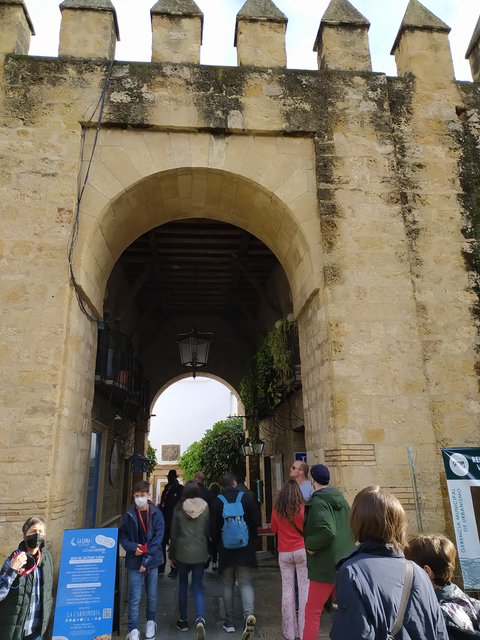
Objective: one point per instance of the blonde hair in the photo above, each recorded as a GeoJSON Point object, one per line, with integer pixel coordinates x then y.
{"type": "Point", "coordinates": [435, 551]}
{"type": "Point", "coordinates": [377, 515]}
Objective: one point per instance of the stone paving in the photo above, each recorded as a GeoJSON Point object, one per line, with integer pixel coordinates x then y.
{"type": "Point", "coordinates": [267, 600]}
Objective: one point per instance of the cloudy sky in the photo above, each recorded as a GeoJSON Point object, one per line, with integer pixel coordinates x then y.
{"type": "Point", "coordinates": [186, 409]}
{"type": "Point", "coordinates": [304, 17]}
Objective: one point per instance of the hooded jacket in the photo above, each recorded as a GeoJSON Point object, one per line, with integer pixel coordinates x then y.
{"type": "Point", "coordinates": [129, 538]}
{"type": "Point", "coordinates": [189, 532]}
{"type": "Point", "coordinates": [14, 607]}
{"type": "Point", "coordinates": [327, 533]}
{"type": "Point", "coordinates": [369, 588]}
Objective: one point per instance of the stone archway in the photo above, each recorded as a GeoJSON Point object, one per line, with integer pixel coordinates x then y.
{"type": "Point", "coordinates": [141, 180]}
{"type": "Point", "coordinates": [263, 185]}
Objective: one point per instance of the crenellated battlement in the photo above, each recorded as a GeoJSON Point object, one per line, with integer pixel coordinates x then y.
{"type": "Point", "coordinates": [90, 29]}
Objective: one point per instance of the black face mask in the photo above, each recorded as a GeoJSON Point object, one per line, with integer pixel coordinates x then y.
{"type": "Point", "coordinates": [34, 540]}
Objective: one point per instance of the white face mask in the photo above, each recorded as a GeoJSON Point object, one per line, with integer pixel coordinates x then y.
{"type": "Point", "coordinates": [141, 502]}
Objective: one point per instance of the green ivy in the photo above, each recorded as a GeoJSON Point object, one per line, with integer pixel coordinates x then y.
{"type": "Point", "coordinates": [268, 372]}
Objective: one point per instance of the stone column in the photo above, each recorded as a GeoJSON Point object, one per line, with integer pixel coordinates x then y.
{"type": "Point", "coordinates": [177, 27]}
{"type": "Point", "coordinates": [15, 27]}
{"type": "Point", "coordinates": [89, 29]}
{"type": "Point", "coordinates": [473, 53]}
{"type": "Point", "coordinates": [260, 35]}
{"type": "Point", "coordinates": [425, 126]}
{"type": "Point", "coordinates": [342, 39]}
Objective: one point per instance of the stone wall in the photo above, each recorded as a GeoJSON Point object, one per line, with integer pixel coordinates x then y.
{"type": "Point", "coordinates": [364, 187]}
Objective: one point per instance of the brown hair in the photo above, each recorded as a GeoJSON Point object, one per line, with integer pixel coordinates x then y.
{"type": "Point", "coordinates": [141, 487]}
{"type": "Point", "coordinates": [289, 500]}
{"type": "Point", "coordinates": [31, 522]}
{"type": "Point", "coordinates": [377, 515]}
{"type": "Point", "coordinates": [435, 551]}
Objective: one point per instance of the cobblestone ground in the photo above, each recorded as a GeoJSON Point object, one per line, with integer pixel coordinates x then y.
{"type": "Point", "coordinates": [267, 601]}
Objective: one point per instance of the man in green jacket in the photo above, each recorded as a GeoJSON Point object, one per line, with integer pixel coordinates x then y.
{"type": "Point", "coordinates": [328, 538]}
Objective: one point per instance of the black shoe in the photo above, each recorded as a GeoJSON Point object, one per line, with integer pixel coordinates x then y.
{"type": "Point", "coordinates": [182, 625]}
{"type": "Point", "coordinates": [173, 573]}
{"type": "Point", "coordinates": [200, 629]}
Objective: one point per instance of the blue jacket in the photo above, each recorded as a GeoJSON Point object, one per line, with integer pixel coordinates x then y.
{"type": "Point", "coordinates": [128, 537]}
{"type": "Point", "coordinates": [369, 589]}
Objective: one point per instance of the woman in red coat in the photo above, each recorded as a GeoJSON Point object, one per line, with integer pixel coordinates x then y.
{"type": "Point", "coordinates": [287, 523]}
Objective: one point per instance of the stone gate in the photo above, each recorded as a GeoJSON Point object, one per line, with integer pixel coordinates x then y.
{"type": "Point", "coordinates": [364, 187]}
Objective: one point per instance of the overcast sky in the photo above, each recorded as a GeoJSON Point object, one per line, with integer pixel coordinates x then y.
{"type": "Point", "coordinates": [186, 409]}
{"type": "Point", "coordinates": [304, 17]}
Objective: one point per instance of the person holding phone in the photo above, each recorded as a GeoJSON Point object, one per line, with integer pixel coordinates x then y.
{"type": "Point", "coordinates": [26, 581]}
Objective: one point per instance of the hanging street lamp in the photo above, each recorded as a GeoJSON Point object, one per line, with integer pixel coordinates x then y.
{"type": "Point", "coordinates": [194, 348]}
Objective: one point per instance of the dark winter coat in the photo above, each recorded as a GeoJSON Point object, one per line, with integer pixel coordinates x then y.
{"type": "Point", "coordinates": [14, 608]}
{"type": "Point", "coordinates": [189, 533]}
{"type": "Point", "coordinates": [205, 493]}
{"type": "Point", "coordinates": [327, 533]}
{"type": "Point", "coordinates": [461, 613]}
{"type": "Point", "coordinates": [368, 591]}
{"type": "Point", "coordinates": [128, 536]}
{"type": "Point", "coordinates": [171, 494]}
{"type": "Point", "coordinates": [245, 557]}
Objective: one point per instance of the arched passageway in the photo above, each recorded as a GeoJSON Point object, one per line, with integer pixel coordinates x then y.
{"type": "Point", "coordinates": [192, 272]}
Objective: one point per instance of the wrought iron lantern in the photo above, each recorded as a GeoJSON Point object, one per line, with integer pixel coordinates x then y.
{"type": "Point", "coordinates": [194, 348]}
{"type": "Point", "coordinates": [253, 447]}
{"type": "Point", "coordinates": [139, 463]}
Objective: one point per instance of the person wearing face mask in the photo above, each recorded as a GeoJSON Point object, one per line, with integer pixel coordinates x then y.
{"type": "Point", "coordinates": [141, 535]}
{"type": "Point", "coordinates": [26, 581]}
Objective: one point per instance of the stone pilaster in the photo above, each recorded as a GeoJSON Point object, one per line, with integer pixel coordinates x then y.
{"type": "Point", "coordinates": [89, 29]}
{"type": "Point", "coordinates": [342, 40]}
{"type": "Point", "coordinates": [15, 27]}
{"type": "Point", "coordinates": [260, 35]}
{"type": "Point", "coordinates": [473, 53]}
{"type": "Point", "coordinates": [422, 47]}
{"type": "Point", "coordinates": [177, 27]}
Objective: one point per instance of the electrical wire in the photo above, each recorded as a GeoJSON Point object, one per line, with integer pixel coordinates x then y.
{"type": "Point", "coordinates": [81, 186]}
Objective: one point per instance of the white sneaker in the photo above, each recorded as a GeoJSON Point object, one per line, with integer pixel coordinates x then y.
{"type": "Point", "coordinates": [134, 635]}
{"type": "Point", "coordinates": [150, 629]}
{"type": "Point", "coordinates": [250, 623]}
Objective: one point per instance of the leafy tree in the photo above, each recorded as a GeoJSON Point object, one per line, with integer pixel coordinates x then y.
{"type": "Point", "coordinates": [191, 461]}
{"type": "Point", "coordinates": [152, 457]}
{"type": "Point", "coordinates": [219, 451]}
{"type": "Point", "coordinates": [222, 449]}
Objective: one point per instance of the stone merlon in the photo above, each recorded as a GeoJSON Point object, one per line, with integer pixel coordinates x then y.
{"type": "Point", "coordinates": [474, 40]}
{"type": "Point", "coordinates": [93, 5]}
{"type": "Point", "coordinates": [20, 3]}
{"type": "Point", "coordinates": [418, 18]}
{"type": "Point", "coordinates": [340, 13]}
{"type": "Point", "coordinates": [260, 11]}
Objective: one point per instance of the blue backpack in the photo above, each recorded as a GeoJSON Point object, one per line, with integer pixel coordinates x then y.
{"type": "Point", "coordinates": [234, 530]}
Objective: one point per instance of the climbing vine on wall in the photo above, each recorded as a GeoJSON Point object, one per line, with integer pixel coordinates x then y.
{"type": "Point", "coordinates": [267, 378]}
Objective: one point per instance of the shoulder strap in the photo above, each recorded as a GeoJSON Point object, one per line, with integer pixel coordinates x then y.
{"type": "Point", "coordinates": [297, 529]}
{"type": "Point", "coordinates": [223, 499]}
{"type": "Point", "coordinates": [240, 496]}
{"type": "Point", "coordinates": [407, 589]}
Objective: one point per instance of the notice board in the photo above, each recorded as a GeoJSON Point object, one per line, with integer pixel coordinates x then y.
{"type": "Point", "coordinates": [86, 585]}
{"type": "Point", "coordinates": [462, 467]}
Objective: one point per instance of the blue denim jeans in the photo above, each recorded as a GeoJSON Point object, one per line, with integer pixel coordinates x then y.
{"type": "Point", "coordinates": [136, 580]}
{"type": "Point", "coordinates": [197, 588]}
